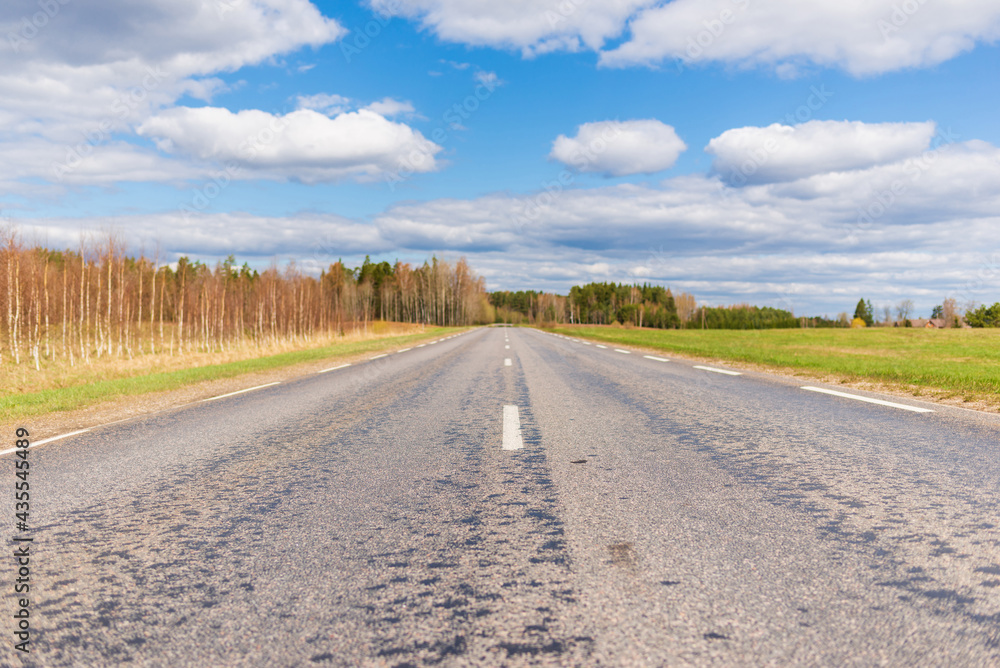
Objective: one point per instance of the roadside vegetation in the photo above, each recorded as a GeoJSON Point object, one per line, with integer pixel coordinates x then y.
{"type": "Point", "coordinates": [962, 364]}
{"type": "Point", "coordinates": [96, 302]}
{"type": "Point", "coordinates": [61, 388]}
{"type": "Point", "coordinates": [81, 326]}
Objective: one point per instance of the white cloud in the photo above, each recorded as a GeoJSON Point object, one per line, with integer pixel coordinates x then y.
{"type": "Point", "coordinates": [390, 107]}
{"type": "Point", "coordinates": [861, 36]}
{"type": "Point", "coordinates": [303, 145]}
{"type": "Point", "coordinates": [144, 55]}
{"type": "Point", "coordinates": [327, 103]}
{"type": "Point", "coordinates": [787, 153]}
{"type": "Point", "coordinates": [76, 87]}
{"type": "Point", "coordinates": [619, 148]}
{"type": "Point", "coordinates": [528, 25]}
{"type": "Point", "coordinates": [913, 228]}
{"type": "Point", "coordinates": [488, 79]}
{"type": "Point", "coordinates": [923, 228]}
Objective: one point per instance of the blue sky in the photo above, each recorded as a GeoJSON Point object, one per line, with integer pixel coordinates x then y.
{"type": "Point", "coordinates": [800, 155]}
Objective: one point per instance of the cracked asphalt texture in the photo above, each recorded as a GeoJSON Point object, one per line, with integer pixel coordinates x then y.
{"type": "Point", "coordinates": [657, 515]}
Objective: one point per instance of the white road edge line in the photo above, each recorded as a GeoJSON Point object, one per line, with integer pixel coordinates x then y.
{"type": "Point", "coordinates": [379, 356]}
{"type": "Point", "coordinates": [507, 362]}
{"type": "Point", "coordinates": [249, 389]}
{"type": "Point", "coordinates": [506, 347]}
{"type": "Point", "coordinates": [600, 346]}
{"type": "Point", "coordinates": [714, 370]}
{"type": "Point", "coordinates": [656, 359]}
{"type": "Point", "coordinates": [421, 345]}
{"type": "Point", "coordinates": [334, 368]}
{"type": "Point", "coordinates": [624, 352]}
{"type": "Point", "coordinates": [512, 429]}
{"type": "Point", "coordinates": [44, 441]}
{"type": "Point", "coordinates": [880, 402]}
{"type": "Point", "coordinates": [404, 350]}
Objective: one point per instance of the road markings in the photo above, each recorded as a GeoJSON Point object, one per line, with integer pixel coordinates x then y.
{"type": "Point", "coordinates": [506, 347]}
{"type": "Point", "coordinates": [249, 389]}
{"type": "Point", "coordinates": [714, 370]}
{"type": "Point", "coordinates": [379, 356]}
{"type": "Point", "coordinates": [656, 359]}
{"type": "Point", "coordinates": [623, 352]}
{"type": "Point", "coordinates": [511, 429]}
{"type": "Point", "coordinates": [433, 342]}
{"type": "Point", "coordinates": [44, 441]}
{"type": "Point", "coordinates": [507, 362]}
{"type": "Point", "coordinates": [404, 350]}
{"type": "Point", "coordinates": [421, 345]}
{"type": "Point", "coordinates": [600, 346]}
{"type": "Point", "coordinates": [586, 343]}
{"type": "Point", "coordinates": [334, 368]}
{"type": "Point", "coordinates": [915, 409]}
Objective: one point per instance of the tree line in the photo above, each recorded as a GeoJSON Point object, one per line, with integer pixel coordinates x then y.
{"type": "Point", "coordinates": [99, 302]}
{"type": "Point", "coordinates": [641, 306]}
{"type": "Point", "coordinates": [948, 312]}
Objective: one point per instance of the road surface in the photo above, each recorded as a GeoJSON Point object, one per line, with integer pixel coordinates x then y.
{"type": "Point", "coordinates": [575, 505]}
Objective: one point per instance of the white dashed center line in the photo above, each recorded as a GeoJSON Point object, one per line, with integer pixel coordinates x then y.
{"type": "Point", "coordinates": [511, 429]}
{"type": "Point", "coordinates": [915, 409]}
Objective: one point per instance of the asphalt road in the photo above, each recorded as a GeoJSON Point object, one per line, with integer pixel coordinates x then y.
{"type": "Point", "coordinates": [635, 512]}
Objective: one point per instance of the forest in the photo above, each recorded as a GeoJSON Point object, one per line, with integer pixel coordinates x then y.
{"type": "Point", "coordinates": [99, 302]}
{"type": "Point", "coordinates": [640, 306]}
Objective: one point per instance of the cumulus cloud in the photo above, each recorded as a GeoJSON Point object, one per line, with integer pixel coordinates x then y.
{"type": "Point", "coordinates": [390, 107]}
{"type": "Point", "coordinates": [786, 153]}
{"type": "Point", "coordinates": [922, 228]}
{"type": "Point", "coordinates": [304, 145]}
{"type": "Point", "coordinates": [145, 54]}
{"type": "Point", "coordinates": [330, 104]}
{"type": "Point", "coordinates": [527, 25]}
{"type": "Point", "coordinates": [619, 148]}
{"type": "Point", "coordinates": [861, 37]}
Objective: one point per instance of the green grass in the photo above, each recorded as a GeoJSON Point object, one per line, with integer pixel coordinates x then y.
{"type": "Point", "coordinates": [17, 407]}
{"type": "Point", "coordinates": [961, 362]}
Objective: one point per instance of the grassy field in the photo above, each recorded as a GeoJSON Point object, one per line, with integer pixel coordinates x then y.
{"type": "Point", "coordinates": [950, 363]}
{"type": "Point", "coordinates": [59, 388]}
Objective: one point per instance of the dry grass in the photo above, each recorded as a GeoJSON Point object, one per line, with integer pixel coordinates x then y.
{"type": "Point", "coordinates": [64, 398]}
{"type": "Point", "coordinates": [57, 374]}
